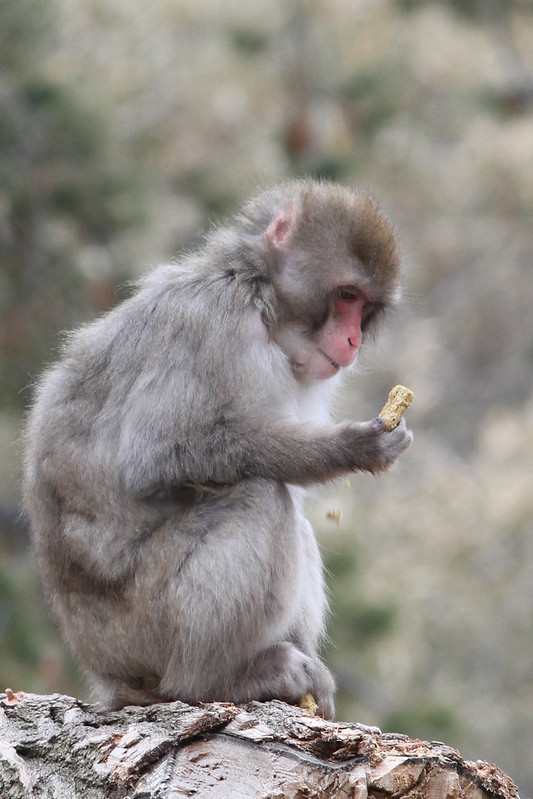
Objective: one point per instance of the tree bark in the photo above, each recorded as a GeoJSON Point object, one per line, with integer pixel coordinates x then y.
{"type": "Point", "coordinates": [56, 747]}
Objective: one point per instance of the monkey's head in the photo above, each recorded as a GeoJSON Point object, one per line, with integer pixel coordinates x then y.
{"type": "Point", "coordinates": [334, 264]}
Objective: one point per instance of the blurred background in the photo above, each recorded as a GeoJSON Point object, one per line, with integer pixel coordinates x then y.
{"type": "Point", "coordinates": [127, 128]}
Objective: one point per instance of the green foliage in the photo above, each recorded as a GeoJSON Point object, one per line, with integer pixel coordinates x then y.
{"type": "Point", "coordinates": [32, 658]}
{"type": "Point", "coordinates": [473, 12]}
{"type": "Point", "coordinates": [65, 185]}
{"type": "Point", "coordinates": [246, 41]}
{"type": "Point", "coordinates": [373, 97]}
{"type": "Point", "coordinates": [25, 32]}
{"type": "Point", "coordinates": [426, 721]}
{"type": "Point", "coordinates": [326, 168]}
{"type": "Point", "coordinates": [357, 622]}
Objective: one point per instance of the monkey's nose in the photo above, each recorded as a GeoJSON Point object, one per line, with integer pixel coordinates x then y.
{"type": "Point", "coordinates": [354, 342]}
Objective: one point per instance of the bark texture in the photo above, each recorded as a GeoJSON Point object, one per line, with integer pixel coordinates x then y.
{"type": "Point", "coordinates": [55, 747]}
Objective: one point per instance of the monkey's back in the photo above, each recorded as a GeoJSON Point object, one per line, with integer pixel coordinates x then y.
{"type": "Point", "coordinates": [115, 546]}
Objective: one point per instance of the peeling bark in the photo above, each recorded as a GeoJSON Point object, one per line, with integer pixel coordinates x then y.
{"type": "Point", "coordinates": [55, 747]}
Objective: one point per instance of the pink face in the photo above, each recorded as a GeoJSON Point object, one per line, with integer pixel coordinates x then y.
{"type": "Point", "coordinates": [338, 342]}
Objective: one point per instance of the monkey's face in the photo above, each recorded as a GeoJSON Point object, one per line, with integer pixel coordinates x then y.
{"type": "Point", "coordinates": [321, 343]}
{"type": "Point", "coordinates": [333, 266]}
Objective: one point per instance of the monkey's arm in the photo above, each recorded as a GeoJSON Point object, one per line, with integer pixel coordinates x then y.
{"type": "Point", "coordinates": [230, 452]}
{"type": "Point", "coordinates": [303, 454]}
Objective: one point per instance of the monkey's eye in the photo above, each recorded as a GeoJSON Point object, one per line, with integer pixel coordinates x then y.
{"type": "Point", "coordinates": [370, 310]}
{"type": "Point", "coordinates": [347, 293]}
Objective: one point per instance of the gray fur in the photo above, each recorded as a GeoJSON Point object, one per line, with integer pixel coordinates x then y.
{"type": "Point", "coordinates": [165, 457]}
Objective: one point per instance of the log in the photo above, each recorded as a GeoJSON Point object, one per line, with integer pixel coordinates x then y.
{"type": "Point", "coordinates": [57, 747]}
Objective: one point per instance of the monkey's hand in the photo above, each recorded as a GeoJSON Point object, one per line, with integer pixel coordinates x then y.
{"type": "Point", "coordinates": [373, 448]}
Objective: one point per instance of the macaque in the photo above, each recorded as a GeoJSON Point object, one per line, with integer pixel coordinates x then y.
{"type": "Point", "coordinates": [169, 449]}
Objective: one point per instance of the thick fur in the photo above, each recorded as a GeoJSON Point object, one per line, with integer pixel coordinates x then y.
{"type": "Point", "coordinates": [165, 453]}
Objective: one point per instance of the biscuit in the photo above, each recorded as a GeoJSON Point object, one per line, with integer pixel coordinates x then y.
{"type": "Point", "coordinates": [399, 400]}
{"type": "Point", "coordinates": [307, 702]}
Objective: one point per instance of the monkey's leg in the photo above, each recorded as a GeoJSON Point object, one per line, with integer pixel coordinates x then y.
{"type": "Point", "coordinates": [238, 602]}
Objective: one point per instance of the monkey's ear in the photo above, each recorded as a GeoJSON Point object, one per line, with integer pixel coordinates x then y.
{"type": "Point", "coordinates": [280, 230]}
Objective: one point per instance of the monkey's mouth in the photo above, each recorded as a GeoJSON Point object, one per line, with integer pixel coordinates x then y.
{"type": "Point", "coordinates": [335, 365]}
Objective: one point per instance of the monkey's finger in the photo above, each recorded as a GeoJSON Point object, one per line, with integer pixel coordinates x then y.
{"type": "Point", "coordinates": [377, 425]}
{"type": "Point", "coordinates": [402, 436]}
